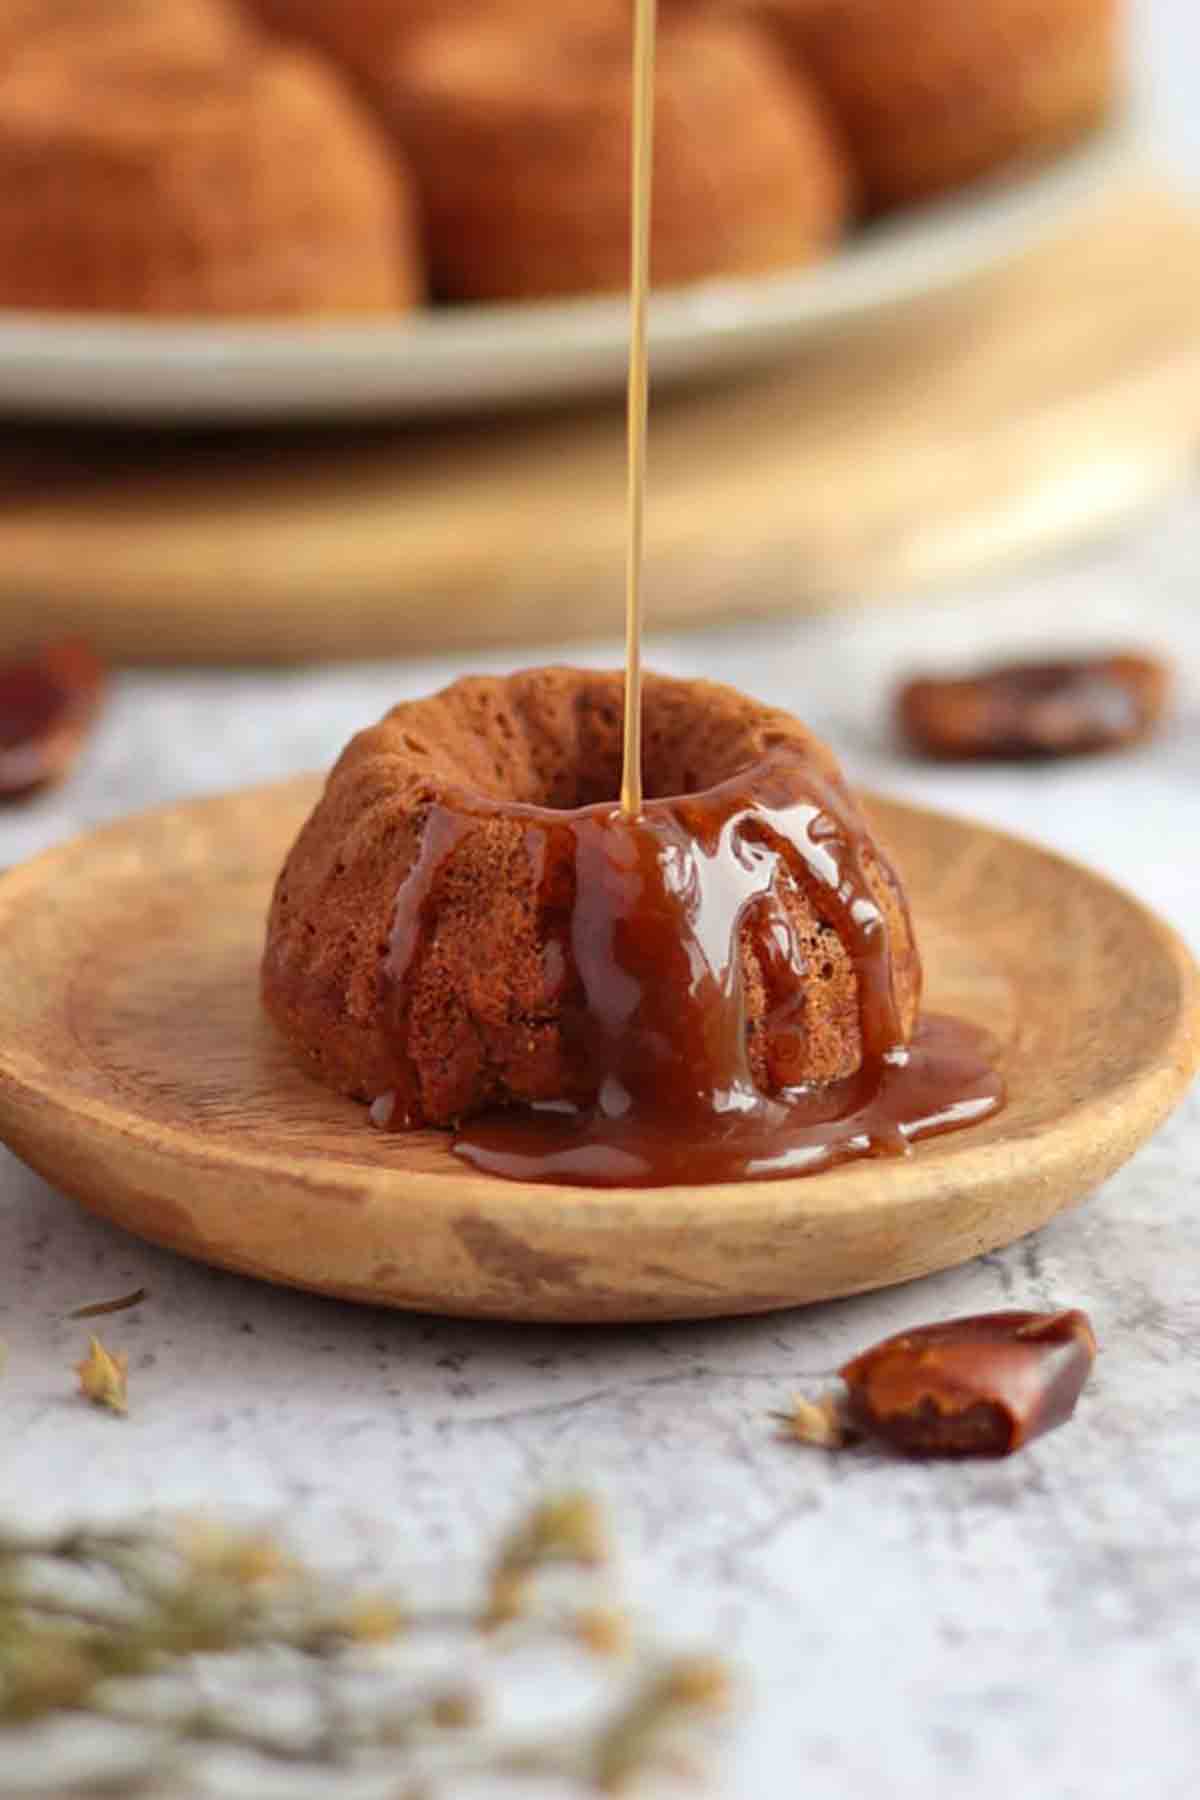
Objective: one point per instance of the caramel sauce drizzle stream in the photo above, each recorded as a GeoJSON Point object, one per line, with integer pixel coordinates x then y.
{"type": "Point", "coordinates": [645, 33]}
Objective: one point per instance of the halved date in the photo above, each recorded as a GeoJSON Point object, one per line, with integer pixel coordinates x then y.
{"type": "Point", "coordinates": [1035, 709]}
{"type": "Point", "coordinates": [980, 1386]}
{"type": "Point", "coordinates": [48, 703]}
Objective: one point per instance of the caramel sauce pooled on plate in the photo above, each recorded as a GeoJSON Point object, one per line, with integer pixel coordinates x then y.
{"type": "Point", "coordinates": [643, 921]}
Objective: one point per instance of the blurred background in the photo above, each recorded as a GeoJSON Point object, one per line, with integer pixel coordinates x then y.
{"type": "Point", "coordinates": [966, 428]}
{"type": "Point", "coordinates": [1165, 37]}
{"type": "Point", "coordinates": [311, 317]}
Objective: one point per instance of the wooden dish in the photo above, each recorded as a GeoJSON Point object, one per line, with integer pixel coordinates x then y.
{"type": "Point", "coordinates": [487, 356]}
{"type": "Point", "coordinates": [936, 442]}
{"type": "Point", "coordinates": [137, 1075]}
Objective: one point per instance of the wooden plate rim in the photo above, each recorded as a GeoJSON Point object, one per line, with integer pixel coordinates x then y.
{"type": "Point", "coordinates": [1152, 1091]}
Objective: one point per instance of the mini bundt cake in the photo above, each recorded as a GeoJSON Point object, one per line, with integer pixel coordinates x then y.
{"type": "Point", "coordinates": [479, 1020]}
{"type": "Point", "coordinates": [520, 139]}
{"type": "Point", "coordinates": [367, 35]}
{"type": "Point", "coordinates": [253, 186]}
{"type": "Point", "coordinates": [111, 30]}
{"type": "Point", "coordinates": [933, 93]}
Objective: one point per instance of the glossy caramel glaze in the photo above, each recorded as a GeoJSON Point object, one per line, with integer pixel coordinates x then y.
{"type": "Point", "coordinates": [642, 922]}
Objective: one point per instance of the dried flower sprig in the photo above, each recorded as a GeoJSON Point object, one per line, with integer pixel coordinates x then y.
{"type": "Point", "coordinates": [566, 1530]}
{"type": "Point", "coordinates": [141, 1626]}
{"type": "Point", "coordinates": [670, 1699]}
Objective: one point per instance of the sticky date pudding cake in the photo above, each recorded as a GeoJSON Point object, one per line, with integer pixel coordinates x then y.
{"type": "Point", "coordinates": [469, 933]}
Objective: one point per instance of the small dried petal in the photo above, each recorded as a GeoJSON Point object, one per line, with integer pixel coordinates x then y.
{"type": "Point", "coordinates": [459, 1710]}
{"type": "Point", "coordinates": [1016, 710]}
{"type": "Point", "coordinates": [48, 703]}
{"type": "Point", "coordinates": [50, 1674]}
{"type": "Point", "coordinates": [604, 1630]}
{"type": "Point", "coordinates": [255, 1559]}
{"type": "Point", "coordinates": [372, 1620]}
{"type": "Point", "coordinates": [568, 1529]}
{"type": "Point", "coordinates": [981, 1386]}
{"type": "Point", "coordinates": [243, 1558]}
{"type": "Point", "coordinates": [698, 1681]}
{"type": "Point", "coordinates": [103, 1378]}
{"type": "Point", "coordinates": [638, 1737]}
{"type": "Point", "coordinates": [202, 1543]}
{"type": "Point", "coordinates": [820, 1422]}
{"type": "Point", "coordinates": [508, 1599]}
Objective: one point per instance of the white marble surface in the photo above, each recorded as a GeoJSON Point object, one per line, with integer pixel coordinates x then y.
{"type": "Point", "coordinates": [1166, 45]}
{"type": "Point", "coordinates": [906, 1632]}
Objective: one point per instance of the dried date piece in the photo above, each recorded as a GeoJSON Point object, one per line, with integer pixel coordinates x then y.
{"type": "Point", "coordinates": [981, 1386]}
{"type": "Point", "coordinates": [48, 703]}
{"type": "Point", "coordinates": [1044, 709]}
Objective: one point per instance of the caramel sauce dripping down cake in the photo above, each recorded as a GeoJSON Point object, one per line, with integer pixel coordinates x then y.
{"type": "Point", "coordinates": [470, 933]}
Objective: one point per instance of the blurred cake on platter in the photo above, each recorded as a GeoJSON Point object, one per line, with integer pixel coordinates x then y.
{"type": "Point", "coordinates": [159, 156]}
{"type": "Point", "coordinates": [246, 186]}
{"type": "Point", "coordinates": [367, 36]}
{"type": "Point", "coordinates": [110, 32]}
{"type": "Point", "coordinates": [524, 161]}
{"type": "Point", "coordinates": [930, 94]}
